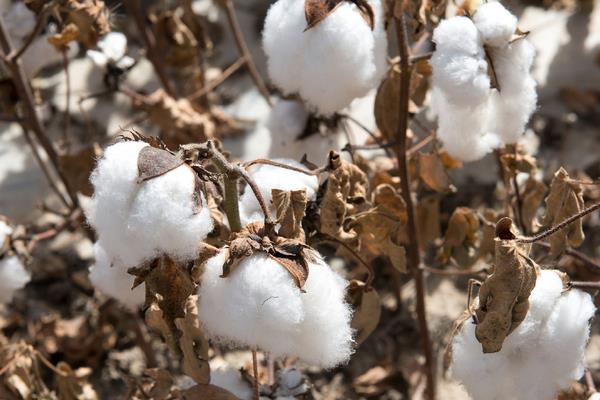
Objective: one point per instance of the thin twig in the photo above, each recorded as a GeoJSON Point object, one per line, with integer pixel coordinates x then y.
{"type": "Point", "coordinates": [453, 271]}
{"type": "Point", "coordinates": [39, 25]}
{"type": "Point", "coordinates": [560, 226]}
{"type": "Point", "coordinates": [414, 257]}
{"type": "Point", "coordinates": [377, 139]}
{"type": "Point", "coordinates": [150, 43]}
{"type": "Point", "coordinates": [264, 161]}
{"type": "Point", "coordinates": [585, 285]}
{"type": "Point", "coordinates": [244, 52]}
{"type": "Point", "coordinates": [212, 85]}
{"type": "Point", "coordinates": [255, 373]}
{"type": "Point", "coordinates": [366, 265]}
{"type": "Point", "coordinates": [24, 90]}
{"type": "Point", "coordinates": [67, 114]}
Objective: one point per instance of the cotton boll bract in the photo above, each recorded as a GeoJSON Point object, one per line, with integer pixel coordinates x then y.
{"type": "Point", "coordinates": [114, 281]}
{"type": "Point", "coordinates": [139, 221]}
{"type": "Point", "coordinates": [330, 64]}
{"type": "Point", "coordinates": [13, 276]}
{"type": "Point", "coordinates": [495, 23]}
{"type": "Point", "coordinates": [544, 354]}
{"type": "Point", "coordinates": [269, 177]}
{"type": "Point", "coordinates": [260, 305]}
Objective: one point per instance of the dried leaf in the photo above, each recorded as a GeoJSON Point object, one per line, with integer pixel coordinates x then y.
{"type": "Point", "coordinates": [174, 39]}
{"type": "Point", "coordinates": [532, 198]}
{"type": "Point", "coordinates": [161, 385]}
{"type": "Point", "coordinates": [290, 207]}
{"type": "Point", "coordinates": [154, 162]}
{"type": "Point", "coordinates": [386, 103]}
{"type": "Point", "coordinates": [367, 309]}
{"type": "Point", "coordinates": [433, 172]}
{"type": "Point", "coordinates": [504, 295]}
{"type": "Point", "coordinates": [91, 18]}
{"type": "Point", "coordinates": [564, 200]}
{"type": "Point", "coordinates": [345, 193]}
{"type": "Point", "coordinates": [69, 33]}
{"type": "Point", "coordinates": [207, 392]}
{"type": "Point", "coordinates": [376, 381]}
{"type": "Point", "coordinates": [77, 168]}
{"type": "Point", "coordinates": [73, 385]}
{"type": "Point", "coordinates": [460, 238]}
{"type": "Point", "coordinates": [193, 344]}
{"type": "Point", "coordinates": [428, 219]}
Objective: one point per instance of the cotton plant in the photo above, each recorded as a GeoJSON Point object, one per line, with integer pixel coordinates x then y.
{"type": "Point", "coordinates": [483, 93]}
{"type": "Point", "coordinates": [327, 60]}
{"type": "Point", "coordinates": [112, 50]}
{"type": "Point", "coordinates": [13, 274]}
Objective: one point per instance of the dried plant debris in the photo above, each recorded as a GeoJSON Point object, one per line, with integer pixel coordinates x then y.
{"type": "Point", "coordinates": [367, 309]}
{"type": "Point", "coordinates": [345, 194]}
{"type": "Point", "coordinates": [433, 172]}
{"type": "Point", "coordinates": [175, 41]}
{"type": "Point", "coordinates": [290, 206]}
{"type": "Point", "coordinates": [317, 10]}
{"type": "Point", "coordinates": [504, 295]}
{"type": "Point", "coordinates": [83, 20]}
{"type": "Point", "coordinates": [460, 239]}
{"type": "Point", "coordinates": [564, 200]}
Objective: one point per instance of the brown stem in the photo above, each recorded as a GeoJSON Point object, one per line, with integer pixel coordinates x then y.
{"type": "Point", "coordinates": [454, 271]}
{"type": "Point", "coordinates": [210, 86]}
{"type": "Point", "coordinates": [264, 161]}
{"type": "Point", "coordinates": [519, 205]}
{"type": "Point", "coordinates": [414, 257]}
{"type": "Point", "coordinates": [244, 52]}
{"type": "Point", "coordinates": [39, 25]}
{"type": "Point", "coordinates": [589, 381]}
{"type": "Point", "coordinates": [255, 373]}
{"type": "Point", "coordinates": [575, 254]}
{"type": "Point", "coordinates": [24, 91]}
{"type": "Point", "coordinates": [560, 226]}
{"type": "Point", "coordinates": [150, 43]}
{"type": "Point", "coordinates": [585, 285]}
{"type": "Point", "coordinates": [67, 114]}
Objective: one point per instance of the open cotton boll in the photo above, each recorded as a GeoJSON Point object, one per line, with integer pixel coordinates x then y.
{"type": "Point", "coordinates": [5, 231]}
{"type": "Point", "coordinates": [269, 177]}
{"type": "Point", "coordinates": [139, 221]}
{"type": "Point", "coordinates": [543, 355]}
{"type": "Point", "coordinates": [114, 281]}
{"type": "Point", "coordinates": [332, 63]}
{"type": "Point", "coordinates": [459, 67]}
{"type": "Point", "coordinates": [260, 305]}
{"type": "Point", "coordinates": [231, 380]}
{"type": "Point", "coordinates": [13, 276]}
{"type": "Point", "coordinates": [111, 49]}
{"type": "Point", "coordinates": [495, 23]}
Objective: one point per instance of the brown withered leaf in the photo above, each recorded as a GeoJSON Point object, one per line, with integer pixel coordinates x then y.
{"type": "Point", "coordinates": [178, 118]}
{"type": "Point", "coordinates": [345, 194]}
{"type": "Point", "coordinates": [532, 198]}
{"type": "Point", "coordinates": [433, 172]}
{"type": "Point", "coordinates": [91, 17]}
{"type": "Point", "coordinates": [514, 160]}
{"type": "Point", "coordinates": [487, 244]}
{"type": "Point", "coordinates": [460, 238]}
{"type": "Point", "coordinates": [449, 161]}
{"type": "Point", "coordinates": [290, 207]}
{"type": "Point", "coordinates": [386, 103]}
{"type": "Point", "coordinates": [153, 162]}
{"type": "Point", "coordinates": [564, 200]}
{"type": "Point", "coordinates": [193, 344]}
{"type": "Point", "coordinates": [367, 309]}
{"type": "Point", "coordinates": [316, 11]}
{"type": "Point", "coordinates": [162, 381]}
{"type": "Point", "coordinates": [382, 229]}
{"type": "Point", "coordinates": [174, 39]}
{"type": "Point", "coordinates": [19, 377]}
{"type": "Point", "coordinates": [504, 295]}
{"type": "Point", "coordinates": [73, 384]}
{"type": "Point", "coordinates": [428, 219]}
{"type": "Point", "coordinates": [208, 392]}
{"type": "Point", "coordinates": [69, 33]}
{"type": "Point", "coordinates": [78, 166]}
{"type": "Point", "coordinates": [375, 381]}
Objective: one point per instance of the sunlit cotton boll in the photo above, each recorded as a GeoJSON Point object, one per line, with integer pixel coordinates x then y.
{"type": "Point", "coordinates": [495, 23]}
{"type": "Point", "coordinates": [543, 355]}
{"type": "Point", "coordinates": [111, 50]}
{"type": "Point", "coordinates": [260, 305]}
{"type": "Point", "coordinates": [13, 276]}
{"type": "Point", "coordinates": [269, 177]}
{"type": "Point", "coordinates": [114, 281]}
{"type": "Point", "coordinates": [139, 221]}
{"type": "Point", "coordinates": [332, 63]}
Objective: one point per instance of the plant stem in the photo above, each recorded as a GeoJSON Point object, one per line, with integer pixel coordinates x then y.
{"type": "Point", "coordinates": [24, 90]}
{"type": "Point", "coordinates": [414, 257]}
{"type": "Point", "coordinates": [150, 42]}
{"type": "Point", "coordinates": [244, 52]}
{"type": "Point", "coordinates": [210, 86]}
{"type": "Point", "coordinates": [231, 202]}
{"type": "Point", "coordinates": [255, 373]}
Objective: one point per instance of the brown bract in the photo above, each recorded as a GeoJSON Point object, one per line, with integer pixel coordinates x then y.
{"type": "Point", "coordinates": [317, 10]}
{"type": "Point", "coordinates": [290, 207]}
{"type": "Point", "coordinates": [564, 200]}
{"type": "Point", "coordinates": [504, 295]}
{"type": "Point", "coordinates": [174, 40]}
{"type": "Point", "coordinates": [292, 254]}
{"type": "Point", "coordinates": [84, 20]}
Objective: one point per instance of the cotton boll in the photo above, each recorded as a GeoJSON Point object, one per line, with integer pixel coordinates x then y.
{"type": "Point", "coordinates": [111, 49]}
{"type": "Point", "coordinates": [495, 23]}
{"type": "Point", "coordinates": [114, 281]}
{"type": "Point", "coordinates": [139, 221]}
{"type": "Point", "coordinates": [269, 177]}
{"type": "Point", "coordinates": [458, 65]}
{"type": "Point", "coordinates": [5, 232]}
{"type": "Point", "coordinates": [260, 305]}
{"type": "Point", "coordinates": [13, 276]}
{"type": "Point", "coordinates": [544, 354]}
{"type": "Point", "coordinates": [231, 380]}
{"type": "Point", "coordinates": [330, 64]}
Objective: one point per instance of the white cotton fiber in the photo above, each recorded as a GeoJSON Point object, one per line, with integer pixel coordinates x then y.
{"type": "Point", "coordinates": [269, 177]}
{"type": "Point", "coordinates": [112, 48]}
{"type": "Point", "coordinates": [114, 281]}
{"type": "Point", "coordinates": [473, 118]}
{"type": "Point", "coordinates": [543, 355]}
{"type": "Point", "coordinates": [332, 63]}
{"type": "Point", "coordinates": [13, 276]}
{"type": "Point", "coordinates": [495, 23]}
{"type": "Point", "coordinates": [5, 232]}
{"type": "Point", "coordinates": [139, 221]}
{"type": "Point", "coordinates": [231, 380]}
{"type": "Point", "coordinates": [260, 305]}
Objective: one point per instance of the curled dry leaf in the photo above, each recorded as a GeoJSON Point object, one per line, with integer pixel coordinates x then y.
{"type": "Point", "coordinates": [317, 10]}
{"type": "Point", "coordinates": [345, 194]}
{"type": "Point", "coordinates": [193, 344]}
{"type": "Point", "coordinates": [504, 295]}
{"type": "Point", "coordinates": [564, 200]}
{"type": "Point", "coordinates": [514, 160]}
{"type": "Point", "coordinates": [85, 21]}
{"type": "Point", "coordinates": [178, 118]}
{"type": "Point", "coordinates": [290, 207]}
{"type": "Point", "coordinates": [428, 219]}
{"type": "Point", "coordinates": [77, 168]}
{"type": "Point", "coordinates": [433, 172]}
{"type": "Point", "coordinates": [386, 103]}
{"type": "Point", "coordinates": [161, 383]}
{"type": "Point", "coordinates": [367, 309]}
{"type": "Point", "coordinates": [208, 392]}
{"type": "Point", "coordinates": [532, 198]}
{"type": "Point", "coordinates": [460, 238]}
{"type": "Point", "coordinates": [174, 39]}
{"type": "Point", "coordinates": [382, 229]}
